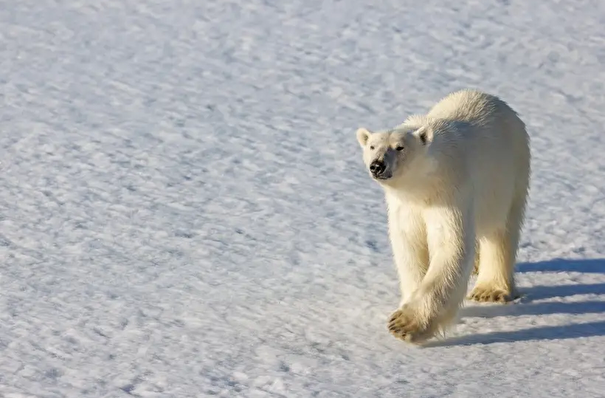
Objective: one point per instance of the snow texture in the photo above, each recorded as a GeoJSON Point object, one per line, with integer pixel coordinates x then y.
{"type": "Point", "coordinates": [184, 210]}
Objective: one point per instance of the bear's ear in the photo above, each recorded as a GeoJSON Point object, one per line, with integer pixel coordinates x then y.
{"type": "Point", "coordinates": [362, 136]}
{"type": "Point", "coordinates": [425, 134]}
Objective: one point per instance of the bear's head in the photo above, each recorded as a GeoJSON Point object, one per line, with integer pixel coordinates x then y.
{"type": "Point", "coordinates": [394, 156]}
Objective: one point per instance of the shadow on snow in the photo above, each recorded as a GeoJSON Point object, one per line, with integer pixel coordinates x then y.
{"type": "Point", "coordinates": [594, 266]}
{"type": "Point", "coordinates": [527, 307]}
{"type": "Point", "coordinates": [563, 332]}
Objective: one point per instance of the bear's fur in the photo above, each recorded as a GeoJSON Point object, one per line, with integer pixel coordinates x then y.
{"type": "Point", "coordinates": [456, 184]}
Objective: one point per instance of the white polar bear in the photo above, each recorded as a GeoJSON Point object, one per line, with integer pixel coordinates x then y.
{"type": "Point", "coordinates": [456, 185]}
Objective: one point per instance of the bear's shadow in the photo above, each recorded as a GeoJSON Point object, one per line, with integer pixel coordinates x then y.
{"type": "Point", "coordinates": [527, 307]}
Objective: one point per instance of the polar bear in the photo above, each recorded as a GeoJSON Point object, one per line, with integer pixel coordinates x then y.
{"type": "Point", "coordinates": [456, 185]}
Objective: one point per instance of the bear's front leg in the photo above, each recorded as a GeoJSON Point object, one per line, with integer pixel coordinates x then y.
{"type": "Point", "coordinates": [451, 243]}
{"type": "Point", "coordinates": [407, 234]}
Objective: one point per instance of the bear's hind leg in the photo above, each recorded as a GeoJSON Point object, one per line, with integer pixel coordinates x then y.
{"type": "Point", "coordinates": [498, 252]}
{"type": "Point", "coordinates": [495, 279]}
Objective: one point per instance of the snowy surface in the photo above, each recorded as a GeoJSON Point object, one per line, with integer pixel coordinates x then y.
{"type": "Point", "coordinates": [184, 211]}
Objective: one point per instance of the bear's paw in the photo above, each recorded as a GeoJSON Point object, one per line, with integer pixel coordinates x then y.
{"type": "Point", "coordinates": [487, 294]}
{"type": "Point", "coordinates": [407, 325]}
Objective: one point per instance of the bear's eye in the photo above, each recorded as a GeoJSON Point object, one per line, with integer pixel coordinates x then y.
{"type": "Point", "coordinates": [372, 147]}
{"type": "Point", "coordinates": [399, 148]}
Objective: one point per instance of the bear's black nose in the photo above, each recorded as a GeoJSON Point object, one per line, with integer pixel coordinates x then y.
{"type": "Point", "coordinates": [377, 167]}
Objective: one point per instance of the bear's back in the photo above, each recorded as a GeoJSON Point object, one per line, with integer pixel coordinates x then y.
{"type": "Point", "coordinates": [471, 106]}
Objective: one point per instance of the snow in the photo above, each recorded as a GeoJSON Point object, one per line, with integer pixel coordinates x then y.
{"type": "Point", "coordinates": [184, 211]}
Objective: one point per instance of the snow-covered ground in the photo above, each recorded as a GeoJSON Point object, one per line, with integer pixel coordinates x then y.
{"type": "Point", "coordinates": [184, 211]}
